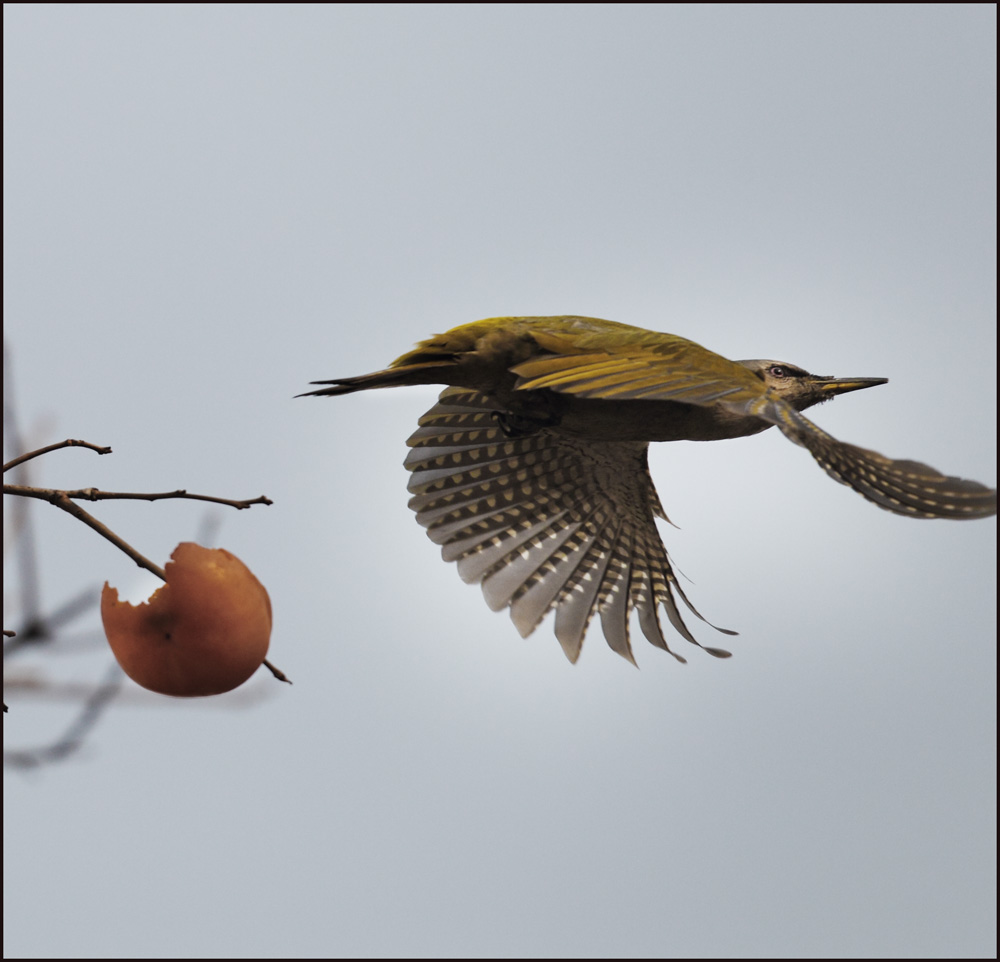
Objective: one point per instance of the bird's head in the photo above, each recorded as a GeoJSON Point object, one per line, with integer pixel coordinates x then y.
{"type": "Point", "coordinates": [801, 389]}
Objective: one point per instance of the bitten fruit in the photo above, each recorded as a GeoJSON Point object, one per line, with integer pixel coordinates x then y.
{"type": "Point", "coordinates": [204, 632]}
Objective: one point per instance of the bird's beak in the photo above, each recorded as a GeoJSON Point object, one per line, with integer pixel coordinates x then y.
{"type": "Point", "coordinates": [832, 386]}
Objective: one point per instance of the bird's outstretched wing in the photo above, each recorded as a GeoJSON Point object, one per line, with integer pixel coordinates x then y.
{"type": "Point", "coordinates": [546, 522]}
{"type": "Point", "coordinates": [904, 487]}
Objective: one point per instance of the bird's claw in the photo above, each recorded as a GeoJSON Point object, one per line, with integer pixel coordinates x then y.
{"type": "Point", "coordinates": [520, 425]}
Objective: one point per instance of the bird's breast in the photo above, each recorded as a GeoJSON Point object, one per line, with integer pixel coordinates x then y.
{"type": "Point", "coordinates": [598, 419]}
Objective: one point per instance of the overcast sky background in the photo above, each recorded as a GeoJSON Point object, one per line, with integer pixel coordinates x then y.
{"type": "Point", "coordinates": [206, 207]}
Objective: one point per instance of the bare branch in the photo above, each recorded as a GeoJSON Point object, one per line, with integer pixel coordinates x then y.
{"type": "Point", "coordinates": [74, 735]}
{"type": "Point", "coordinates": [44, 627]}
{"type": "Point", "coordinates": [68, 443]}
{"type": "Point", "coordinates": [22, 530]}
{"type": "Point", "coordinates": [95, 494]}
{"type": "Point", "coordinates": [61, 500]}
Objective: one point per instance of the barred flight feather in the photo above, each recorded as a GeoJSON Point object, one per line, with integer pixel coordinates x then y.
{"type": "Point", "coordinates": [546, 522]}
{"type": "Point", "coordinates": [908, 488]}
{"type": "Point", "coordinates": [903, 487]}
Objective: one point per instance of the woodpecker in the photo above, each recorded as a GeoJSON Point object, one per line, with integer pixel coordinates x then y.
{"type": "Point", "coordinates": [531, 470]}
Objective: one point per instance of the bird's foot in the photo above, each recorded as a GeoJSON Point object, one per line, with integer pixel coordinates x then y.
{"type": "Point", "coordinates": [521, 425]}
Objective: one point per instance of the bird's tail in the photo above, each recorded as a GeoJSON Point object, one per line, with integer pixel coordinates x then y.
{"type": "Point", "coordinates": [426, 372]}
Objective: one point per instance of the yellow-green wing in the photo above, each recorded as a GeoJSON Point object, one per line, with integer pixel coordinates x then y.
{"type": "Point", "coordinates": [659, 367]}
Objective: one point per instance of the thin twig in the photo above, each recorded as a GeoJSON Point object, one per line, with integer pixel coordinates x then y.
{"type": "Point", "coordinates": [22, 527]}
{"type": "Point", "coordinates": [69, 610]}
{"type": "Point", "coordinates": [74, 735]}
{"type": "Point", "coordinates": [44, 627]}
{"type": "Point", "coordinates": [68, 443]}
{"type": "Point", "coordinates": [95, 494]}
{"type": "Point", "coordinates": [277, 672]}
{"type": "Point", "coordinates": [61, 500]}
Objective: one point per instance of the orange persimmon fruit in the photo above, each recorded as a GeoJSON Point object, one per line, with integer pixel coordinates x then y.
{"type": "Point", "coordinates": [204, 632]}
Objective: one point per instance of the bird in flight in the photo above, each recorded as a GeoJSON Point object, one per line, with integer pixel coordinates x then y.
{"type": "Point", "coordinates": [531, 470]}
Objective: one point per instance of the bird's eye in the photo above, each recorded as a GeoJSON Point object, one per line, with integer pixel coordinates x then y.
{"type": "Point", "coordinates": [778, 370]}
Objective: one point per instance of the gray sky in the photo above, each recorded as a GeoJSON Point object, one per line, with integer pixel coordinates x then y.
{"type": "Point", "coordinates": [207, 207]}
